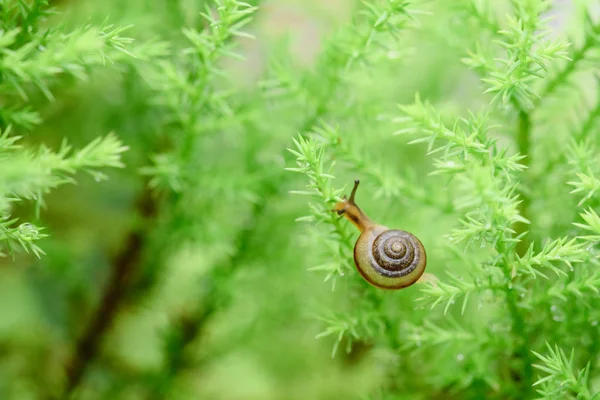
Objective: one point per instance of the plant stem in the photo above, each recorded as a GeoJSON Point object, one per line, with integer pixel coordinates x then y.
{"type": "Point", "coordinates": [520, 332]}
{"type": "Point", "coordinates": [562, 76]}
{"type": "Point", "coordinates": [524, 148]}
{"type": "Point", "coordinates": [589, 122]}
{"type": "Point", "coordinates": [124, 267]}
{"type": "Point", "coordinates": [524, 144]}
{"type": "Point", "coordinates": [518, 326]}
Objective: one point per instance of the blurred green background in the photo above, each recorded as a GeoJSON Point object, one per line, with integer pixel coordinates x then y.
{"type": "Point", "coordinates": [256, 337]}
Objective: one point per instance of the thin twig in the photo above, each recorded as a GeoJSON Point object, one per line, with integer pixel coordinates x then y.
{"type": "Point", "coordinates": [124, 266]}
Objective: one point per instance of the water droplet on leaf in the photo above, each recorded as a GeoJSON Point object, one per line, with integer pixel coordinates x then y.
{"type": "Point", "coordinates": [29, 231]}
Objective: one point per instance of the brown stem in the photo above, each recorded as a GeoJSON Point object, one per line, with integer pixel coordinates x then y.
{"type": "Point", "coordinates": [123, 267]}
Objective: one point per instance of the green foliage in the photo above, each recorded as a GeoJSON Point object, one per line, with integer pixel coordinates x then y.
{"type": "Point", "coordinates": [494, 257]}
{"type": "Point", "coordinates": [310, 159]}
{"type": "Point", "coordinates": [471, 124]}
{"type": "Point", "coordinates": [527, 54]}
{"type": "Point", "coordinates": [29, 175]}
{"type": "Point", "coordinates": [561, 380]}
{"type": "Point", "coordinates": [34, 57]}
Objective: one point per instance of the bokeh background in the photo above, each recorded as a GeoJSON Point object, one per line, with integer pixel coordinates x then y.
{"type": "Point", "coordinates": [171, 333]}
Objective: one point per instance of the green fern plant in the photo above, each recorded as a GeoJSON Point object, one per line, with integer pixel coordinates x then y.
{"type": "Point", "coordinates": [33, 60]}
{"type": "Point", "coordinates": [522, 280]}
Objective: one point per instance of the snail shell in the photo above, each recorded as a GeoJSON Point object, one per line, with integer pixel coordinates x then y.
{"type": "Point", "coordinates": [386, 258]}
{"type": "Point", "coordinates": [389, 258]}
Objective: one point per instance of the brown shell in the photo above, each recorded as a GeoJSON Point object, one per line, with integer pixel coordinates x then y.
{"type": "Point", "coordinates": [389, 258]}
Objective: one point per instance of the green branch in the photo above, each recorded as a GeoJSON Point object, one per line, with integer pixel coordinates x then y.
{"type": "Point", "coordinates": [591, 40]}
{"type": "Point", "coordinates": [524, 146]}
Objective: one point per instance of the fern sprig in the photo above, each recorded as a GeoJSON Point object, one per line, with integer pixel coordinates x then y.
{"type": "Point", "coordinates": [60, 54]}
{"type": "Point", "coordinates": [592, 224]}
{"type": "Point", "coordinates": [582, 287]}
{"type": "Point", "coordinates": [448, 292]}
{"type": "Point", "coordinates": [561, 379]}
{"type": "Point", "coordinates": [576, 56]}
{"type": "Point", "coordinates": [29, 174]}
{"type": "Point", "coordinates": [431, 334]}
{"type": "Point", "coordinates": [528, 55]}
{"type": "Point", "coordinates": [421, 117]}
{"type": "Point", "coordinates": [587, 184]}
{"type": "Point", "coordinates": [388, 182]}
{"type": "Point", "coordinates": [20, 237]}
{"type": "Point", "coordinates": [565, 250]}
{"type": "Point", "coordinates": [348, 327]}
{"type": "Point", "coordinates": [310, 158]}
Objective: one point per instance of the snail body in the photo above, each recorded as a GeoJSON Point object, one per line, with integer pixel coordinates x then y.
{"type": "Point", "coordinates": [386, 258]}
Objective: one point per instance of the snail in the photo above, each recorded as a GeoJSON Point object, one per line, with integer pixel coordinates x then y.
{"type": "Point", "coordinates": [386, 258]}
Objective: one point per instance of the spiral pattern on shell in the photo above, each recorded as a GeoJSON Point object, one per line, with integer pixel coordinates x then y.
{"type": "Point", "coordinates": [395, 253]}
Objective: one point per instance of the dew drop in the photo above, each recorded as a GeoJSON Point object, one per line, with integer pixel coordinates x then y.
{"type": "Point", "coordinates": [557, 314]}
{"type": "Point", "coordinates": [393, 55]}
{"type": "Point", "coordinates": [28, 231]}
{"type": "Point", "coordinates": [460, 357]}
